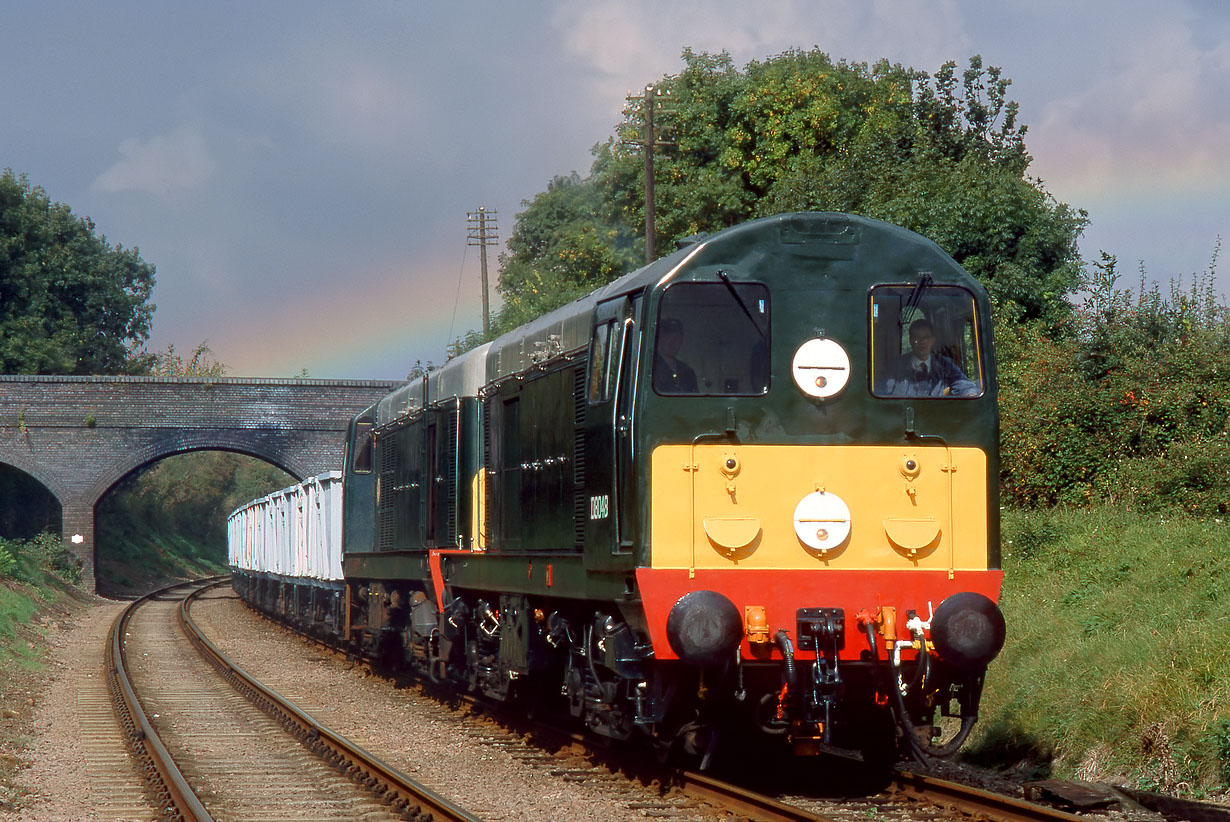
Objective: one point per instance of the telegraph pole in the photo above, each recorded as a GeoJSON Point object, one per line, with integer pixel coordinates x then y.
{"type": "Point", "coordinates": [649, 101]}
{"type": "Point", "coordinates": [482, 233]}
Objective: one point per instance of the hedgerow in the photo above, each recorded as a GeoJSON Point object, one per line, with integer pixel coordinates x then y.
{"type": "Point", "coordinates": [1130, 402]}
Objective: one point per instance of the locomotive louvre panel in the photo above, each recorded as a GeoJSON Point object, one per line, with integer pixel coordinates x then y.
{"type": "Point", "coordinates": [442, 453]}
{"type": "Point", "coordinates": [580, 503]}
{"type": "Point", "coordinates": [451, 449]}
{"type": "Point", "coordinates": [400, 497]}
{"type": "Point", "coordinates": [433, 494]}
{"type": "Point", "coordinates": [490, 475]}
{"type": "Point", "coordinates": [384, 494]}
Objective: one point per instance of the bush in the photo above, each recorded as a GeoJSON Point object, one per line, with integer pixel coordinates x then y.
{"type": "Point", "coordinates": [1130, 402]}
{"type": "Point", "coordinates": [8, 562]}
{"type": "Point", "coordinates": [1220, 739]}
{"type": "Point", "coordinates": [35, 559]}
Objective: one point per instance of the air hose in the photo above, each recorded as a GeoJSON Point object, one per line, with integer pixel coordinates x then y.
{"type": "Point", "coordinates": [792, 678]}
{"type": "Point", "coordinates": [790, 691]}
{"type": "Point", "coordinates": [919, 748]}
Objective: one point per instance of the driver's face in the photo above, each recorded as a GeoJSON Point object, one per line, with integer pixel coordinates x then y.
{"type": "Point", "coordinates": [669, 343]}
{"type": "Point", "coordinates": [921, 342]}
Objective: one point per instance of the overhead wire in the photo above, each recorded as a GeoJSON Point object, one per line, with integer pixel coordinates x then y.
{"type": "Point", "coordinates": [457, 296]}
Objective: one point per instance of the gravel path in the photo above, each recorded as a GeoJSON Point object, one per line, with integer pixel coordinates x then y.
{"type": "Point", "coordinates": [70, 768]}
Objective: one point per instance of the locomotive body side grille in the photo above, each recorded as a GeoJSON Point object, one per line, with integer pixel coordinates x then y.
{"type": "Point", "coordinates": [388, 465]}
{"type": "Point", "coordinates": [489, 475]}
{"type": "Point", "coordinates": [453, 449]}
{"type": "Point", "coordinates": [579, 504]}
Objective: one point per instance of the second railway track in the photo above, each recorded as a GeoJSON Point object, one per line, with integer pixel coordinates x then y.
{"type": "Point", "coordinates": [236, 760]}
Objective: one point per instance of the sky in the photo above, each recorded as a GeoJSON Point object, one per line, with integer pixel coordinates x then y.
{"type": "Point", "coordinates": [300, 172]}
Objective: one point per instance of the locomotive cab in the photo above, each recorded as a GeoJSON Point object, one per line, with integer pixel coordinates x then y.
{"type": "Point", "coordinates": [816, 449]}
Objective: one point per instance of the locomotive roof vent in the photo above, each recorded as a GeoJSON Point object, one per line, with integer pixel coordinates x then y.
{"type": "Point", "coordinates": [837, 229]}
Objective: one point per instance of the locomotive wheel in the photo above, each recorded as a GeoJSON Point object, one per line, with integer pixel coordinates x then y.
{"type": "Point", "coordinates": [879, 744]}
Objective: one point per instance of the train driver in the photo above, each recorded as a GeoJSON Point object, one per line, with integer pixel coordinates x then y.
{"type": "Point", "coordinates": [672, 375]}
{"type": "Point", "coordinates": [926, 373]}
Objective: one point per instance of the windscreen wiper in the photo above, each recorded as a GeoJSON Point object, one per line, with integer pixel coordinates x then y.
{"type": "Point", "coordinates": [724, 277]}
{"type": "Point", "coordinates": [924, 282]}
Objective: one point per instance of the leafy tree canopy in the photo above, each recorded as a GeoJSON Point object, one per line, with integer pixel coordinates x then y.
{"type": "Point", "coordinates": [70, 303]}
{"type": "Point", "coordinates": [565, 244]}
{"type": "Point", "coordinates": [940, 154]}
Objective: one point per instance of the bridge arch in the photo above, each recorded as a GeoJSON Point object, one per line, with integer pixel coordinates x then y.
{"type": "Point", "coordinates": [298, 466]}
{"type": "Point", "coordinates": [32, 469]}
{"type": "Point", "coordinates": [27, 505]}
{"type": "Point", "coordinates": [79, 436]}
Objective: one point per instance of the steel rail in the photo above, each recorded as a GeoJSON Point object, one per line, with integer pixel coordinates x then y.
{"type": "Point", "coordinates": [397, 789]}
{"type": "Point", "coordinates": [756, 807]}
{"type": "Point", "coordinates": [749, 803]}
{"type": "Point", "coordinates": [979, 801]}
{"type": "Point", "coordinates": [175, 797]}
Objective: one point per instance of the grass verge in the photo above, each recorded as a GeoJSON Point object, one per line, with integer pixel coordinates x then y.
{"type": "Point", "coordinates": [1117, 662]}
{"type": "Point", "coordinates": [141, 559]}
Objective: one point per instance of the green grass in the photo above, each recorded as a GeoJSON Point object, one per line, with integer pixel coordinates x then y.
{"type": "Point", "coordinates": [1118, 654]}
{"type": "Point", "coordinates": [142, 559]}
{"type": "Point", "coordinates": [30, 593]}
{"type": "Point", "coordinates": [16, 608]}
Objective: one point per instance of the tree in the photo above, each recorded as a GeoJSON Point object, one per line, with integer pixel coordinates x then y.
{"type": "Point", "coordinates": [952, 167]}
{"type": "Point", "coordinates": [70, 303]}
{"type": "Point", "coordinates": [565, 244]}
{"type": "Point", "coordinates": [941, 155]}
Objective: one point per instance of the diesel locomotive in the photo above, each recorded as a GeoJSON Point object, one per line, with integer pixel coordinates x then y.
{"type": "Point", "coordinates": [750, 485]}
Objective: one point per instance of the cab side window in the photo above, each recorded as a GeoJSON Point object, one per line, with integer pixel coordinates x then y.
{"type": "Point", "coordinates": [361, 461]}
{"type": "Point", "coordinates": [601, 370]}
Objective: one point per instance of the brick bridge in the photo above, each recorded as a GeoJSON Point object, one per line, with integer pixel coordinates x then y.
{"type": "Point", "coordinates": [79, 436]}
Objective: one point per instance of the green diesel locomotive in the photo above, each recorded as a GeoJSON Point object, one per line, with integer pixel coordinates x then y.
{"type": "Point", "coordinates": [750, 485]}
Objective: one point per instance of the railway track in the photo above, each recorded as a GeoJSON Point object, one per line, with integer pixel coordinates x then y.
{"type": "Point", "coordinates": [976, 802]}
{"type": "Point", "coordinates": [210, 753]}
{"type": "Point", "coordinates": [909, 797]}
